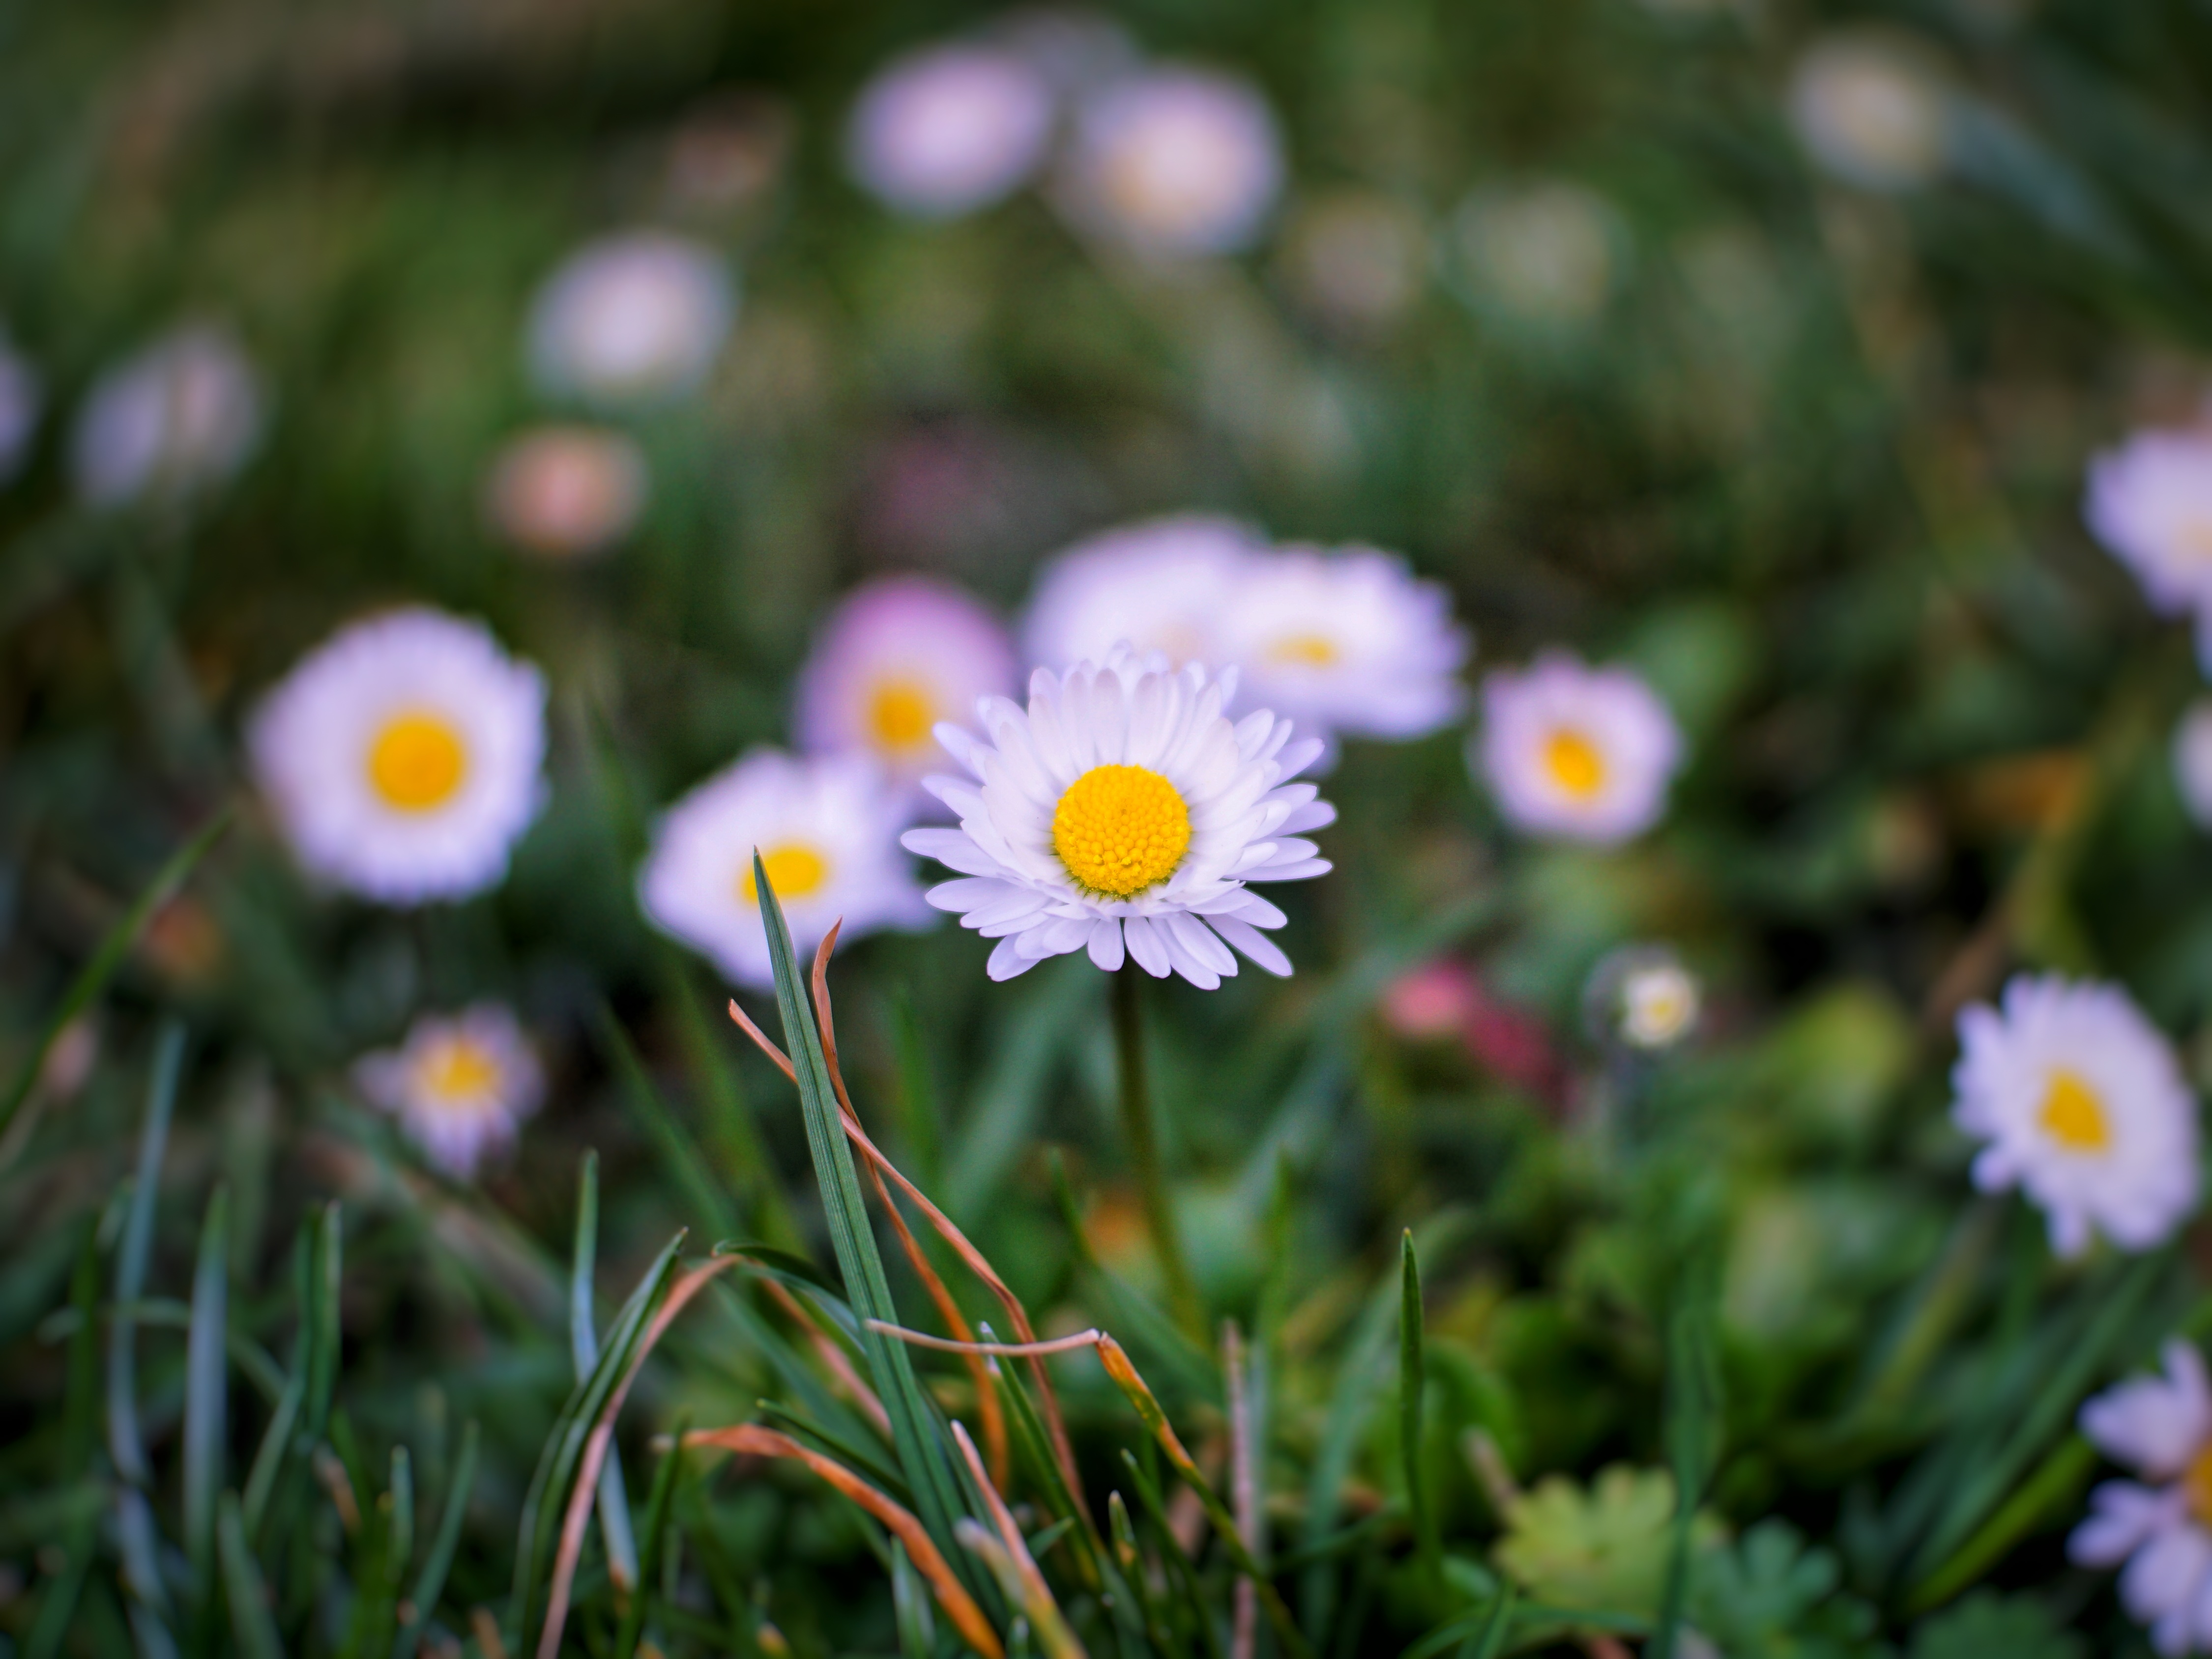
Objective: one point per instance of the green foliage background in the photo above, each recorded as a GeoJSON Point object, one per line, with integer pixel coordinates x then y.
{"type": "Point", "coordinates": [1815, 470]}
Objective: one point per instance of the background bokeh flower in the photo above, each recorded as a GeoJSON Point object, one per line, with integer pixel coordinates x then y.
{"type": "Point", "coordinates": [949, 129]}
{"type": "Point", "coordinates": [633, 319]}
{"type": "Point", "coordinates": [183, 415]}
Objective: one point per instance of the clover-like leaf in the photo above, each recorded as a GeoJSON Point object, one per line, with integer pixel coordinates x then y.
{"type": "Point", "coordinates": [1771, 1596]}
{"type": "Point", "coordinates": [1601, 1547]}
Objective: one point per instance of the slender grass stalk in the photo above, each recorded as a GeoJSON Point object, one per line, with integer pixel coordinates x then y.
{"type": "Point", "coordinates": [1145, 1153]}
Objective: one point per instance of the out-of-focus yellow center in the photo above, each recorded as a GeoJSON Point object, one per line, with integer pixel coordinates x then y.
{"type": "Point", "coordinates": [2196, 1485]}
{"type": "Point", "coordinates": [794, 870]}
{"type": "Point", "coordinates": [1575, 763]}
{"type": "Point", "coordinates": [457, 1072]}
{"type": "Point", "coordinates": [900, 715]}
{"type": "Point", "coordinates": [2073, 1114]}
{"type": "Point", "coordinates": [1121, 829]}
{"type": "Point", "coordinates": [417, 761]}
{"type": "Point", "coordinates": [1305, 651]}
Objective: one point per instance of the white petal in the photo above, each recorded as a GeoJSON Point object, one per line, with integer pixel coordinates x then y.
{"type": "Point", "coordinates": [1146, 945]}
{"type": "Point", "coordinates": [1193, 935]}
{"type": "Point", "coordinates": [1254, 943]}
{"type": "Point", "coordinates": [953, 849]}
{"type": "Point", "coordinates": [1106, 949]}
{"type": "Point", "coordinates": [1006, 962]}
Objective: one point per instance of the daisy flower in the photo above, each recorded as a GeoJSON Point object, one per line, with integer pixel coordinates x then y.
{"type": "Point", "coordinates": [1163, 585]}
{"type": "Point", "coordinates": [1123, 812]}
{"type": "Point", "coordinates": [1346, 643]}
{"type": "Point", "coordinates": [459, 1086]}
{"type": "Point", "coordinates": [1642, 995]}
{"type": "Point", "coordinates": [183, 415]}
{"type": "Point", "coordinates": [2150, 502]}
{"type": "Point", "coordinates": [946, 131]}
{"type": "Point", "coordinates": [566, 493]}
{"type": "Point", "coordinates": [1173, 162]}
{"type": "Point", "coordinates": [2192, 761]}
{"type": "Point", "coordinates": [403, 758]}
{"type": "Point", "coordinates": [896, 657]}
{"type": "Point", "coordinates": [2082, 1106]}
{"type": "Point", "coordinates": [1869, 106]}
{"type": "Point", "coordinates": [1576, 752]}
{"type": "Point", "coordinates": [631, 319]}
{"type": "Point", "coordinates": [827, 831]}
{"type": "Point", "coordinates": [2162, 1427]}
{"type": "Point", "coordinates": [20, 399]}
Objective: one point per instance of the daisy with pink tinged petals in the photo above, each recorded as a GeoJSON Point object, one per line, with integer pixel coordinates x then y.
{"type": "Point", "coordinates": [2162, 1425]}
{"type": "Point", "coordinates": [2083, 1106]}
{"type": "Point", "coordinates": [949, 130]}
{"type": "Point", "coordinates": [1575, 752]}
{"type": "Point", "coordinates": [2150, 502]}
{"type": "Point", "coordinates": [826, 828]}
{"type": "Point", "coordinates": [1173, 162]}
{"type": "Point", "coordinates": [1346, 643]}
{"type": "Point", "coordinates": [1164, 584]}
{"type": "Point", "coordinates": [1122, 813]}
{"type": "Point", "coordinates": [895, 659]}
{"type": "Point", "coordinates": [631, 320]}
{"type": "Point", "coordinates": [459, 1086]}
{"type": "Point", "coordinates": [566, 493]}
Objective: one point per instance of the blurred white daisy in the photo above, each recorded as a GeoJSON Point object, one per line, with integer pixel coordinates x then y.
{"type": "Point", "coordinates": [949, 130]}
{"type": "Point", "coordinates": [1355, 258]}
{"type": "Point", "coordinates": [827, 830]}
{"type": "Point", "coordinates": [632, 319]}
{"type": "Point", "coordinates": [1568, 750]}
{"type": "Point", "coordinates": [1173, 162]}
{"type": "Point", "coordinates": [2192, 761]}
{"type": "Point", "coordinates": [459, 1085]}
{"type": "Point", "coordinates": [2082, 1106]}
{"type": "Point", "coordinates": [2150, 502]}
{"type": "Point", "coordinates": [566, 492]}
{"type": "Point", "coordinates": [1644, 997]}
{"type": "Point", "coordinates": [1547, 253]}
{"type": "Point", "coordinates": [1163, 585]}
{"type": "Point", "coordinates": [403, 757]}
{"type": "Point", "coordinates": [1123, 811]}
{"type": "Point", "coordinates": [183, 415]}
{"type": "Point", "coordinates": [895, 659]}
{"type": "Point", "coordinates": [1870, 106]}
{"type": "Point", "coordinates": [22, 397]}
{"type": "Point", "coordinates": [1346, 643]}
{"type": "Point", "coordinates": [2162, 1427]}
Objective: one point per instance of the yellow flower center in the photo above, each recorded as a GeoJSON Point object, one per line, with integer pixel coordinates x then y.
{"type": "Point", "coordinates": [1305, 651]}
{"type": "Point", "coordinates": [2196, 1485]}
{"type": "Point", "coordinates": [1575, 763]}
{"type": "Point", "coordinates": [1121, 829]}
{"type": "Point", "coordinates": [458, 1073]}
{"type": "Point", "coordinates": [900, 715]}
{"type": "Point", "coordinates": [794, 870]}
{"type": "Point", "coordinates": [417, 761]}
{"type": "Point", "coordinates": [2073, 1114]}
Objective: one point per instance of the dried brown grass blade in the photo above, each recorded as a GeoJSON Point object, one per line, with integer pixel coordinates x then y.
{"type": "Point", "coordinates": [577, 1516]}
{"type": "Point", "coordinates": [987, 1397]}
{"type": "Point", "coordinates": [833, 1358]}
{"type": "Point", "coordinates": [959, 1607]}
{"type": "Point", "coordinates": [1036, 1598]}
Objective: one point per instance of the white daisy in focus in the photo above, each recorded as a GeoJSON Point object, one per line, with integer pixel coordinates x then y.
{"type": "Point", "coordinates": [1347, 642]}
{"type": "Point", "coordinates": [22, 397]}
{"type": "Point", "coordinates": [182, 416]}
{"type": "Point", "coordinates": [1870, 107]}
{"type": "Point", "coordinates": [1547, 253]}
{"type": "Point", "coordinates": [1173, 162]}
{"type": "Point", "coordinates": [631, 319]}
{"type": "Point", "coordinates": [1122, 812]}
{"type": "Point", "coordinates": [1163, 585]}
{"type": "Point", "coordinates": [2162, 1427]}
{"type": "Point", "coordinates": [2149, 501]}
{"type": "Point", "coordinates": [946, 131]}
{"type": "Point", "coordinates": [1573, 751]}
{"type": "Point", "coordinates": [2192, 761]}
{"type": "Point", "coordinates": [894, 659]}
{"type": "Point", "coordinates": [458, 1086]}
{"type": "Point", "coordinates": [403, 758]}
{"type": "Point", "coordinates": [566, 493]}
{"type": "Point", "coordinates": [2083, 1107]}
{"type": "Point", "coordinates": [827, 831]}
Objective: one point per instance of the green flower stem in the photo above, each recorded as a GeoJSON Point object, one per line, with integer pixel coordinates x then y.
{"type": "Point", "coordinates": [1143, 1149]}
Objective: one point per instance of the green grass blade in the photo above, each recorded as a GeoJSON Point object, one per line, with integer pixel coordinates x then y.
{"type": "Point", "coordinates": [57, 1608]}
{"type": "Point", "coordinates": [745, 1161]}
{"type": "Point", "coordinates": [910, 1604]}
{"type": "Point", "coordinates": [93, 978]}
{"type": "Point", "coordinates": [430, 1583]}
{"type": "Point", "coordinates": [124, 1443]}
{"type": "Point", "coordinates": [915, 1433]}
{"type": "Point", "coordinates": [251, 1620]}
{"type": "Point", "coordinates": [1028, 1045]}
{"type": "Point", "coordinates": [657, 1501]}
{"type": "Point", "coordinates": [920, 1125]}
{"type": "Point", "coordinates": [2053, 1489]}
{"type": "Point", "coordinates": [584, 1345]}
{"type": "Point", "coordinates": [1692, 1435]}
{"type": "Point", "coordinates": [1412, 1385]}
{"type": "Point", "coordinates": [207, 1394]}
